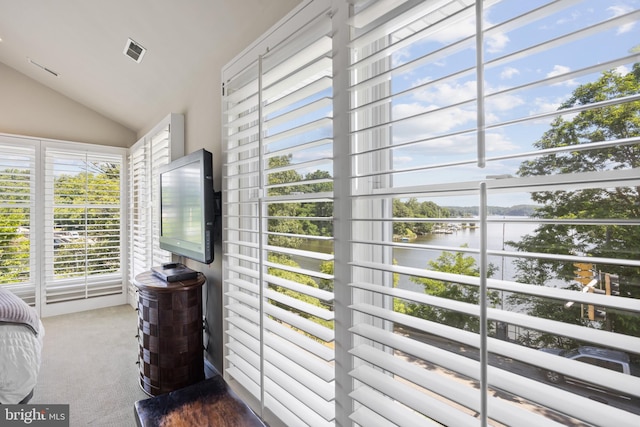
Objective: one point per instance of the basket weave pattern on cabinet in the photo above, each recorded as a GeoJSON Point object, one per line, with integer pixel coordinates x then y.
{"type": "Point", "coordinates": [169, 333]}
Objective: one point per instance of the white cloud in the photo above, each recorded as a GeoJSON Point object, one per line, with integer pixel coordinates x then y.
{"type": "Point", "coordinates": [622, 70]}
{"type": "Point", "coordinates": [559, 70]}
{"type": "Point", "coordinates": [401, 56]}
{"type": "Point", "coordinates": [509, 72]}
{"type": "Point", "coordinates": [448, 93]}
{"type": "Point", "coordinates": [619, 10]}
{"type": "Point", "coordinates": [457, 146]}
{"type": "Point", "coordinates": [504, 102]}
{"type": "Point", "coordinates": [497, 42]}
{"type": "Point", "coordinates": [497, 142]}
{"type": "Point", "coordinates": [399, 161]}
{"type": "Point", "coordinates": [544, 105]}
{"type": "Point", "coordinates": [406, 110]}
{"type": "Point", "coordinates": [428, 125]}
{"type": "Point", "coordinates": [437, 122]}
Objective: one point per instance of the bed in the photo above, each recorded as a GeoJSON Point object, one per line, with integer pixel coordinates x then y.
{"type": "Point", "coordinates": [21, 335]}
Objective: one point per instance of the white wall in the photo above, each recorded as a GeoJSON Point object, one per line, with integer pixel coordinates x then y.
{"type": "Point", "coordinates": [32, 109]}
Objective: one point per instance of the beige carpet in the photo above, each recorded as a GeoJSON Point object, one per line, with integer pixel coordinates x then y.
{"type": "Point", "coordinates": [89, 362]}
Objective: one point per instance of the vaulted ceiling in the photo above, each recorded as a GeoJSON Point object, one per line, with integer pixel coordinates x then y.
{"type": "Point", "coordinates": [83, 42]}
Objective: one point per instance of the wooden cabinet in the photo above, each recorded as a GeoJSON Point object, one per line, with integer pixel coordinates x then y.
{"type": "Point", "coordinates": [170, 331]}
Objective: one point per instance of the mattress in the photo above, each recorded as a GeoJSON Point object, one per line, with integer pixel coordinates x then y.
{"type": "Point", "coordinates": [21, 337]}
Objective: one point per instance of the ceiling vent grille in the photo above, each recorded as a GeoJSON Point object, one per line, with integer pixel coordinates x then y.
{"type": "Point", "coordinates": [48, 70]}
{"type": "Point", "coordinates": [134, 50]}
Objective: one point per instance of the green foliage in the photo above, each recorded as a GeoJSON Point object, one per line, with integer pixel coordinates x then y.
{"type": "Point", "coordinates": [414, 209]}
{"type": "Point", "coordinates": [288, 225]}
{"type": "Point", "coordinates": [290, 220]}
{"type": "Point", "coordinates": [455, 263]}
{"type": "Point", "coordinates": [615, 241]}
{"type": "Point", "coordinates": [326, 267]}
{"type": "Point", "coordinates": [86, 215]}
{"type": "Point", "coordinates": [299, 278]}
{"type": "Point", "coordinates": [471, 211]}
{"type": "Point", "coordinates": [15, 186]}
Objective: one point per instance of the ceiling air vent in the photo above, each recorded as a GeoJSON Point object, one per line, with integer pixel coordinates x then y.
{"type": "Point", "coordinates": [134, 50]}
{"type": "Point", "coordinates": [48, 70]}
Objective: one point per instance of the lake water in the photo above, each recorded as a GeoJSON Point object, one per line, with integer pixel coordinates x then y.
{"type": "Point", "coordinates": [498, 234]}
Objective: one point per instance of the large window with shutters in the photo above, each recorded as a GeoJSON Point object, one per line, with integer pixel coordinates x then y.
{"type": "Point", "coordinates": [278, 210]}
{"type": "Point", "coordinates": [82, 224]}
{"type": "Point", "coordinates": [62, 213]}
{"type": "Point", "coordinates": [18, 217]}
{"type": "Point", "coordinates": [162, 144]}
{"type": "Point", "coordinates": [495, 211]}
{"type": "Point", "coordinates": [487, 206]}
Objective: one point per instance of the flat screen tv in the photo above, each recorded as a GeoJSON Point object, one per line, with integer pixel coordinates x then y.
{"type": "Point", "coordinates": [187, 206]}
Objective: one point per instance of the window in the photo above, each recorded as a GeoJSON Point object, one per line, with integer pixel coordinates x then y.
{"type": "Point", "coordinates": [165, 142]}
{"type": "Point", "coordinates": [62, 219]}
{"type": "Point", "coordinates": [486, 202]}
{"type": "Point", "coordinates": [278, 225]}
{"type": "Point", "coordinates": [82, 222]}
{"type": "Point", "coordinates": [18, 217]}
{"type": "Point", "coordinates": [474, 203]}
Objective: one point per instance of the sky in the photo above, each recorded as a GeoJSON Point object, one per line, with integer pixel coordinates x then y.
{"type": "Point", "coordinates": [502, 74]}
{"type": "Point", "coordinates": [435, 115]}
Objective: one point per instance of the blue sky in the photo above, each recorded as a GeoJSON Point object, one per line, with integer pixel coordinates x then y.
{"type": "Point", "coordinates": [446, 134]}
{"type": "Point", "coordinates": [600, 47]}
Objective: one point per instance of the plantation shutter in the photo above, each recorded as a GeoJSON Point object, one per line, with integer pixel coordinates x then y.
{"type": "Point", "coordinates": [82, 224]}
{"type": "Point", "coordinates": [278, 208]}
{"type": "Point", "coordinates": [145, 160]}
{"type": "Point", "coordinates": [165, 142]}
{"type": "Point", "coordinates": [139, 209]}
{"type": "Point", "coordinates": [426, 138]}
{"type": "Point", "coordinates": [17, 217]}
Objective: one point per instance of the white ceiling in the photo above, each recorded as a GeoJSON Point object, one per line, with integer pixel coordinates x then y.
{"type": "Point", "coordinates": [83, 41]}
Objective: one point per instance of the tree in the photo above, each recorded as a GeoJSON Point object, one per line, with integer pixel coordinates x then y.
{"type": "Point", "coordinates": [303, 279]}
{"type": "Point", "coordinates": [14, 215]}
{"type": "Point", "coordinates": [454, 263]}
{"type": "Point", "coordinates": [87, 202]}
{"type": "Point", "coordinates": [605, 123]}
{"type": "Point", "coordinates": [411, 208]}
{"type": "Point", "coordinates": [290, 217]}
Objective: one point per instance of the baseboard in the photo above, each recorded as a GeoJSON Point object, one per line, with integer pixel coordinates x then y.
{"type": "Point", "coordinates": [209, 369]}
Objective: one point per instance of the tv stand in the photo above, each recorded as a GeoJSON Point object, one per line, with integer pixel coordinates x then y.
{"type": "Point", "coordinates": [174, 272]}
{"type": "Point", "coordinates": [170, 332]}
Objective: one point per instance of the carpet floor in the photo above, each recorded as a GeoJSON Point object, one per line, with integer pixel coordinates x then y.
{"type": "Point", "coordinates": [89, 362]}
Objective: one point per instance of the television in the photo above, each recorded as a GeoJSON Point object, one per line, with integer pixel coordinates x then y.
{"type": "Point", "coordinates": [187, 206]}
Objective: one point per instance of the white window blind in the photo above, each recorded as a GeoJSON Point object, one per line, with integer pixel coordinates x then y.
{"type": "Point", "coordinates": [164, 143]}
{"type": "Point", "coordinates": [494, 191]}
{"type": "Point", "coordinates": [17, 217]}
{"type": "Point", "coordinates": [278, 213]}
{"type": "Point", "coordinates": [145, 160]}
{"type": "Point", "coordinates": [82, 224]}
{"type": "Point", "coordinates": [490, 168]}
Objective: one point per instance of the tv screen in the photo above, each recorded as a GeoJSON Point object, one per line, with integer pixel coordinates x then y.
{"type": "Point", "coordinates": [187, 211]}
